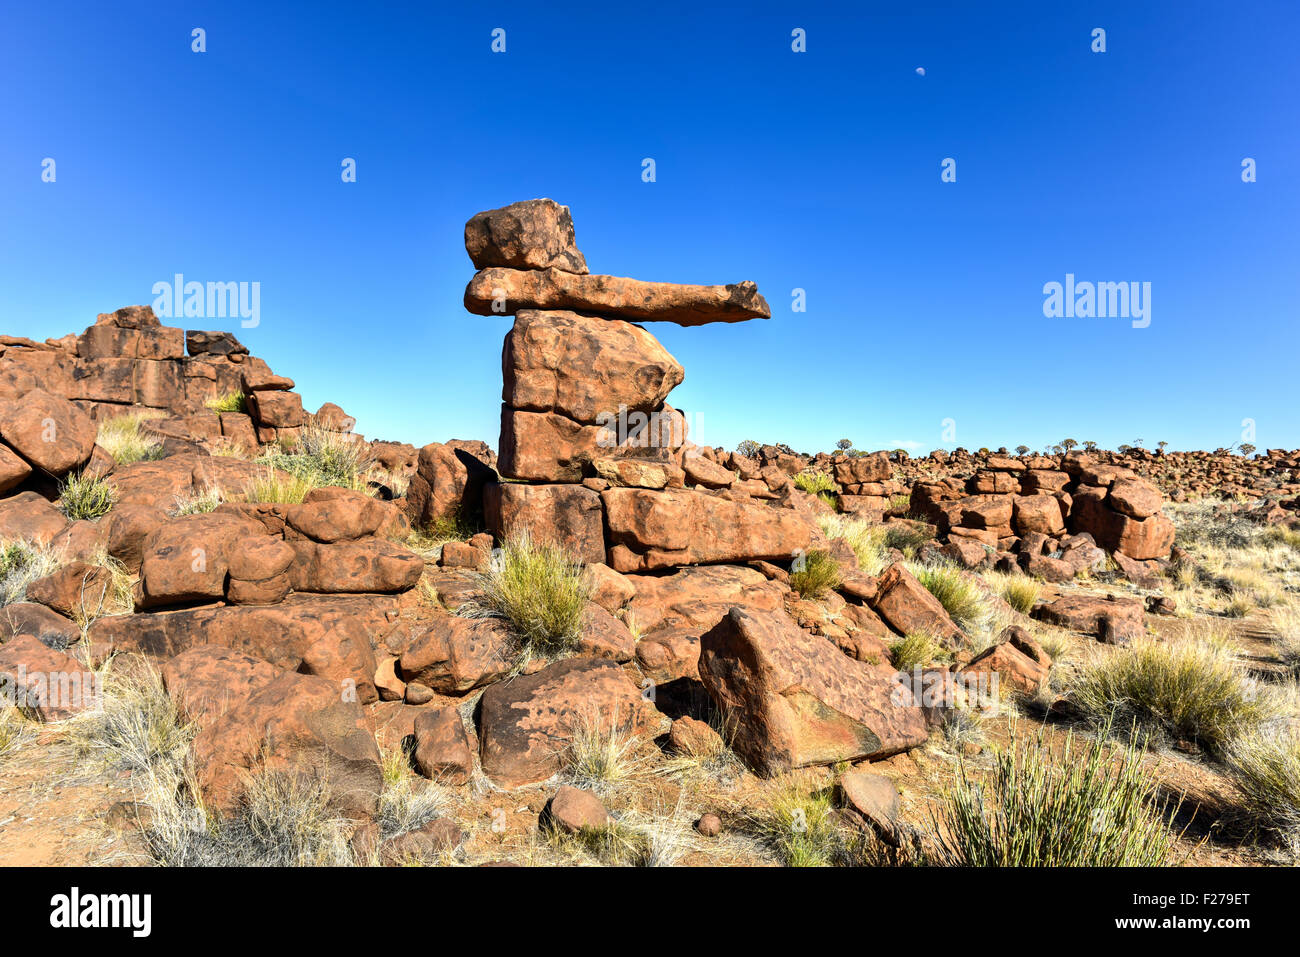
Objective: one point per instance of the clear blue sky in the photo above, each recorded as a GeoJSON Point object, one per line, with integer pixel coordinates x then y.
{"type": "Point", "coordinates": [818, 170]}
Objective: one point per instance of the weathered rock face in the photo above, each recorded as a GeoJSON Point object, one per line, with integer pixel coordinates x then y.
{"type": "Point", "coordinates": [533, 234]}
{"type": "Point", "coordinates": [1112, 620]}
{"type": "Point", "coordinates": [797, 700]}
{"type": "Point", "coordinates": [909, 608]}
{"type": "Point", "coordinates": [650, 529]}
{"type": "Point", "coordinates": [297, 724]}
{"type": "Point", "coordinates": [449, 481]}
{"type": "Point", "coordinates": [452, 656]}
{"type": "Point", "coordinates": [583, 366]}
{"type": "Point", "coordinates": [48, 683]}
{"type": "Point", "coordinates": [569, 516]}
{"type": "Point", "coordinates": [673, 611]}
{"type": "Point", "coordinates": [1139, 538]}
{"type": "Point", "coordinates": [207, 681]}
{"type": "Point", "coordinates": [525, 724]}
{"type": "Point", "coordinates": [498, 291]}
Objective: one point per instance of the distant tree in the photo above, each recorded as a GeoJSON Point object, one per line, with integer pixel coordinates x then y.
{"type": "Point", "coordinates": [1162, 445]}
{"type": "Point", "coordinates": [1137, 443]}
{"type": "Point", "coordinates": [748, 448]}
{"type": "Point", "coordinates": [1125, 449]}
{"type": "Point", "coordinates": [1022, 450]}
{"type": "Point", "coordinates": [1068, 444]}
{"type": "Point", "coordinates": [844, 444]}
{"type": "Point", "coordinates": [1057, 450]}
{"type": "Point", "coordinates": [1090, 445]}
{"type": "Point", "coordinates": [1246, 448]}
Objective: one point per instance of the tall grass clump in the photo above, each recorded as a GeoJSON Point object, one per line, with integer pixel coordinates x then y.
{"type": "Point", "coordinates": [801, 828]}
{"type": "Point", "coordinates": [815, 574]}
{"type": "Point", "coordinates": [602, 756]}
{"type": "Point", "coordinates": [137, 727]}
{"type": "Point", "coordinates": [539, 589]}
{"type": "Point", "coordinates": [1037, 809]}
{"type": "Point", "coordinates": [959, 594]}
{"type": "Point", "coordinates": [229, 402]}
{"type": "Point", "coordinates": [1285, 625]}
{"type": "Point", "coordinates": [278, 487]}
{"type": "Point", "coordinates": [1266, 769]}
{"type": "Point", "coordinates": [21, 563]}
{"type": "Point", "coordinates": [1189, 689]}
{"type": "Point", "coordinates": [1019, 591]}
{"type": "Point", "coordinates": [913, 650]}
{"type": "Point", "coordinates": [322, 457]}
{"type": "Point", "coordinates": [83, 496]}
{"type": "Point", "coordinates": [122, 438]}
{"type": "Point", "coordinates": [867, 541]}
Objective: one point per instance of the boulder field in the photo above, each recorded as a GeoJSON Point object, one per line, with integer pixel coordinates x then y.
{"type": "Point", "coordinates": [293, 633]}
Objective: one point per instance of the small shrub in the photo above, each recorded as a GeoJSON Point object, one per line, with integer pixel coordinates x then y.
{"type": "Point", "coordinates": [322, 457]}
{"type": "Point", "coordinates": [230, 402]}
{"type": "Point", "coordinates": [913, 650]}
{"type": "Point", "coordinates": [800, 828]}
{"type": "Point", "coordinates": [121, 438]}
{"type": "Point", "coordinates": [958, 594]}
{"type": "Point", "coordinates": [1285, 625]}
{"type": "Point", "coordinates": [1190, 689]}
{"type": "Point", "coordinates": [1040, 810]}
{"type": "Point", "coordinates": [866, 541]}
{"type": "Point", "coordinates": [1266, 769]}
{"type": "Point", "coordinates": [137, 728]}
{"type": "Point", "coordinates": [21, 563]}
{"type": "Point", "coordinates": [278, 487]}
{"type": "Point", "coordinates": [408, 802]}
{"type": "Point", "coordinates": [813, 482]}
{"type": "Point", "coordinates": [1020, 592]}
{"type": "Point", "coordinates": [84, 496]}
{"type": "Point", "coordinates": [817, 573]}
{"type": "Point", "coordinates": [540, 590]}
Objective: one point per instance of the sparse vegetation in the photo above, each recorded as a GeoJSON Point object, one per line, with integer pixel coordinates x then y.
{"type": "Point", "coordinates": [540, 590]}
{"type": "Point", "coordinates": [122, 438]}
{"type": "Point", "coordinates": [1189, 689]}
{"type": "Point", "coordinates": [21, 563]}
{"type": "Point", "coordinates": [230, 402]}
{"type": "Point", "coordinates": [196, 502]}
{"type": "Point", "coordinates": [322, 457]}
{"type": "Point", "coordinates": [1019, 591]}
{"type": "Point", "coordinates": [913, 650]}
{"type": "Point", "coordinates": [815, 574]}
{"type": "Point", "coordinates": [957, 592]}
{"type": "Point", "coordinates": [83, 496]}
{"type": "Point", "coordinates": [801, 828]}
{"type": "Point", "coordinates": [15, 729]}
{"type": "Point", "coordinates": [278, 487]}
{"type": "Point", "coordinates": [1040, 809]}
{"type": "Point", "coordinates": [1266, 768]}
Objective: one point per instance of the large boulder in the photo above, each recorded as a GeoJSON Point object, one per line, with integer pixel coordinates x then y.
{"type": "Point", "coordinates": [650, 530]}
{"type": "Point", "coordinates": [795, 700]}
{"type": "Point", "coordinates": [48, 431]}
{"type": "Point", "coordinates": [532, 234]}
{"type": "Point", "coordinates": [188, 558]}
{"type": "Point", "coordinates": [448, 482]}
{"type": "Point", "coordinates": [671, 612]}
{"type": "Point", "coordinates": [909, 608]}
{"type": "Point", "coordinates": [500, 291]}
{"type": "Point", "coordinates": [583, 366]}
{"type": "Point", "coordinates": [526, 724]}
{"type": "Point", "coordinates": [29, 517]}
{"type": "Point", "coordinates": [1110, 619]}
{"type": "Point", "coordinates": [48, 683]}
{"type": "Point", "coordinates": [207, 681]}
{"type": "Point", "coordinates": [453, 655]}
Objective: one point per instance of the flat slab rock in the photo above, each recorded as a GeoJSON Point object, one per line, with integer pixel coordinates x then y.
{"type": "Point", "coordinates": [1112, 620]}
{"type": "Point", "coordinates": [499, 291]}
{"type": "Point", "coordinates": [795, 700]}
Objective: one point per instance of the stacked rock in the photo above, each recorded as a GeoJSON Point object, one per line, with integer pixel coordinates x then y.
{"type": "Point", "coordinates": [599, 461]}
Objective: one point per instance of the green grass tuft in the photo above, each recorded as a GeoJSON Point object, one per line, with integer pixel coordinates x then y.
{"type": "Point", "coordinates": [84, 496]}
{"type": "Point", "coordinates": [815, 574]}
{"type": "Point", "coordinates": [540, 590]}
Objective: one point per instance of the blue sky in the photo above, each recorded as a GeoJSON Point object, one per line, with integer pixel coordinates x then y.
{"type": "Point", "coordinates": [816, 170]}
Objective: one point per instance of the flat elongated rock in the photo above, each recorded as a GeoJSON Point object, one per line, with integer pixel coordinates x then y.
{"type": "Point", "coordinates": [582, 366]}
{"type": "Point", "coordinates": [613, 296]}
{"type": "Point", "coordinates": [683, 527]}
{"type": "Point", "coordinates": [549, 447]}
{"type": "Point", "coordinates": [795, 700]}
